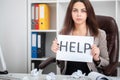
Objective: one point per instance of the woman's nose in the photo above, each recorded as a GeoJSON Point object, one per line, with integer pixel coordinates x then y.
{"type": "Point", "coordinates": [79, 13]}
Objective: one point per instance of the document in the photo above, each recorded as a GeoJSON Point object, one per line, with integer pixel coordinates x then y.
{"type": "Point", "coordinates": [98, 76]}
{"type": "Point", "coordinates": [74, 48]}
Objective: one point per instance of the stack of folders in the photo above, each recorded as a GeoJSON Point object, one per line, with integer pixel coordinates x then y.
{"type": "Point", "coordinates": [40, 16]}
{"type": "Point", "coordinates": [38, 44]}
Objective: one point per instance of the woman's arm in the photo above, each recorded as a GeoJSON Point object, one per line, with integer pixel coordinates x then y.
{"type": "Point", "coordinates": [103, 51]}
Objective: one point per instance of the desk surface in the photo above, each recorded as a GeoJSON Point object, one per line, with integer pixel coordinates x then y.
{"type": "Point", "coordinates": [22, 76]}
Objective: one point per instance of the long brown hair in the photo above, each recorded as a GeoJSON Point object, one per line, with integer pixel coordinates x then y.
{"type": "Point", "coordinates": [91, 19]}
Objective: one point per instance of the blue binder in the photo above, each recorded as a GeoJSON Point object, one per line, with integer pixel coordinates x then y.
{"type": "Point", "coordinates": [34, 44]}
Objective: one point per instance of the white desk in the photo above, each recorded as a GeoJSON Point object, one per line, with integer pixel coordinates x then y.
{"type": "Point", "coordinates": [22, 76]}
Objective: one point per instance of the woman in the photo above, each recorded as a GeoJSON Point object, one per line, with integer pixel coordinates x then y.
{"type": "Point", "coordinates": [80, 20]}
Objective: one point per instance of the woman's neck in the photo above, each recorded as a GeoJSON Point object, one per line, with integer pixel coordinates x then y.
{"type": "Point", "coordinates": [80, 30]}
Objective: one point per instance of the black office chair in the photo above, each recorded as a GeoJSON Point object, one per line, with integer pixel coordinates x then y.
{"type": "Point", "coordinates": [109, 25]}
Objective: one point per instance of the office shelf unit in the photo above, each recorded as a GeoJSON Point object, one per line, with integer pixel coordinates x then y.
{"type": "Point", "coordinates": [50, 33]}
{"type": "Point", "coordinates": [57, 14]}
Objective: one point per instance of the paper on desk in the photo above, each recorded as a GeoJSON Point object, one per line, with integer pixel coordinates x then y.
{"type": "Point", "coordinates": [25, 78]}
{"type": "Point", "coordinates": [98, 76]}
{"type": "Point", "coordinates": [74, 48]}
{"type": "Point", "coordinates": [50, 76]}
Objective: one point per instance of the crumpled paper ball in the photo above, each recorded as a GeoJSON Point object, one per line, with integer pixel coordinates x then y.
{"type": "Point", "coordinates": [77, 74]}
{"type": "Point", "coordinates": [50, 76]}
{"type": "Point", "coordinates": [34, 72]}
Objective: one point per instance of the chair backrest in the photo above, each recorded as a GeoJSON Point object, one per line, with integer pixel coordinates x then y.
{"type": "Point", "coordinates": [108, 24]}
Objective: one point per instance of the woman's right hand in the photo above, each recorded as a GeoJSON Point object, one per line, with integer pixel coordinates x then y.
{"type": "Point", "coordinates": [55, 46]}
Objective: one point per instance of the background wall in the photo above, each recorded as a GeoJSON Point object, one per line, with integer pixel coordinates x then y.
{"type": "Point", "coordinates": [13, 34]}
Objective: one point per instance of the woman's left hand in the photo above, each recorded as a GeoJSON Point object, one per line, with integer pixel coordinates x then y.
{"type": "Point", "coordinates": [95, 52]}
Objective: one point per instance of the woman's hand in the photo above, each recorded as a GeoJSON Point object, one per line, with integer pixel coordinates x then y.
{"type": "Point", "coordinates": [55, 46]}
{"type": "Point", "coordinates": [95, 52]}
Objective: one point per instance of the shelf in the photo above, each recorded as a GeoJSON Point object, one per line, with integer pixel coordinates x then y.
{"type": "Point", "coordinates": [43, 31]}
{"type": "Point", "coordinates": [39, 58]}
{"type": "Point", "coordinates": [43, 1]}
{"type": "Point", "coordinates": [49, 36]}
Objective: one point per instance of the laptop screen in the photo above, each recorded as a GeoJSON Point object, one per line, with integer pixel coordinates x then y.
{"type": "Point", "coordinates": [3, 68]}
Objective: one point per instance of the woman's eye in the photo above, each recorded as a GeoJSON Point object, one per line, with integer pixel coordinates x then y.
{"type": "Point", "coordinates": [83, 10]}
{"type": "Point", "coordinates": [74, 10]}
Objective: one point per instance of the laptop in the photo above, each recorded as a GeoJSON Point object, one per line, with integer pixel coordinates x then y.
{"type": "Point", "coordinates": [3, 69]}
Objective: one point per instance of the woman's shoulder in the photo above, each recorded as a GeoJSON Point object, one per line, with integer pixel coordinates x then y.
{"type": "Point", "coordinates": [102, 33]}
{"type": "Point", "coordinates": [101, 36]}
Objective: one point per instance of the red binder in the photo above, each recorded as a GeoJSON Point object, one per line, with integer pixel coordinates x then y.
{"type": "Point", "coordinates": [36, 6]}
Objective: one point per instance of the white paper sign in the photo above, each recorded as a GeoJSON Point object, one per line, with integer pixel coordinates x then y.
{"type": "Point", "coordinates": [74, 48]}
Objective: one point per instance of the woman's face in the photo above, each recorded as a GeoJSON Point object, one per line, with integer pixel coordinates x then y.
{"type": "Point", "coordinates": [79, 13]}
